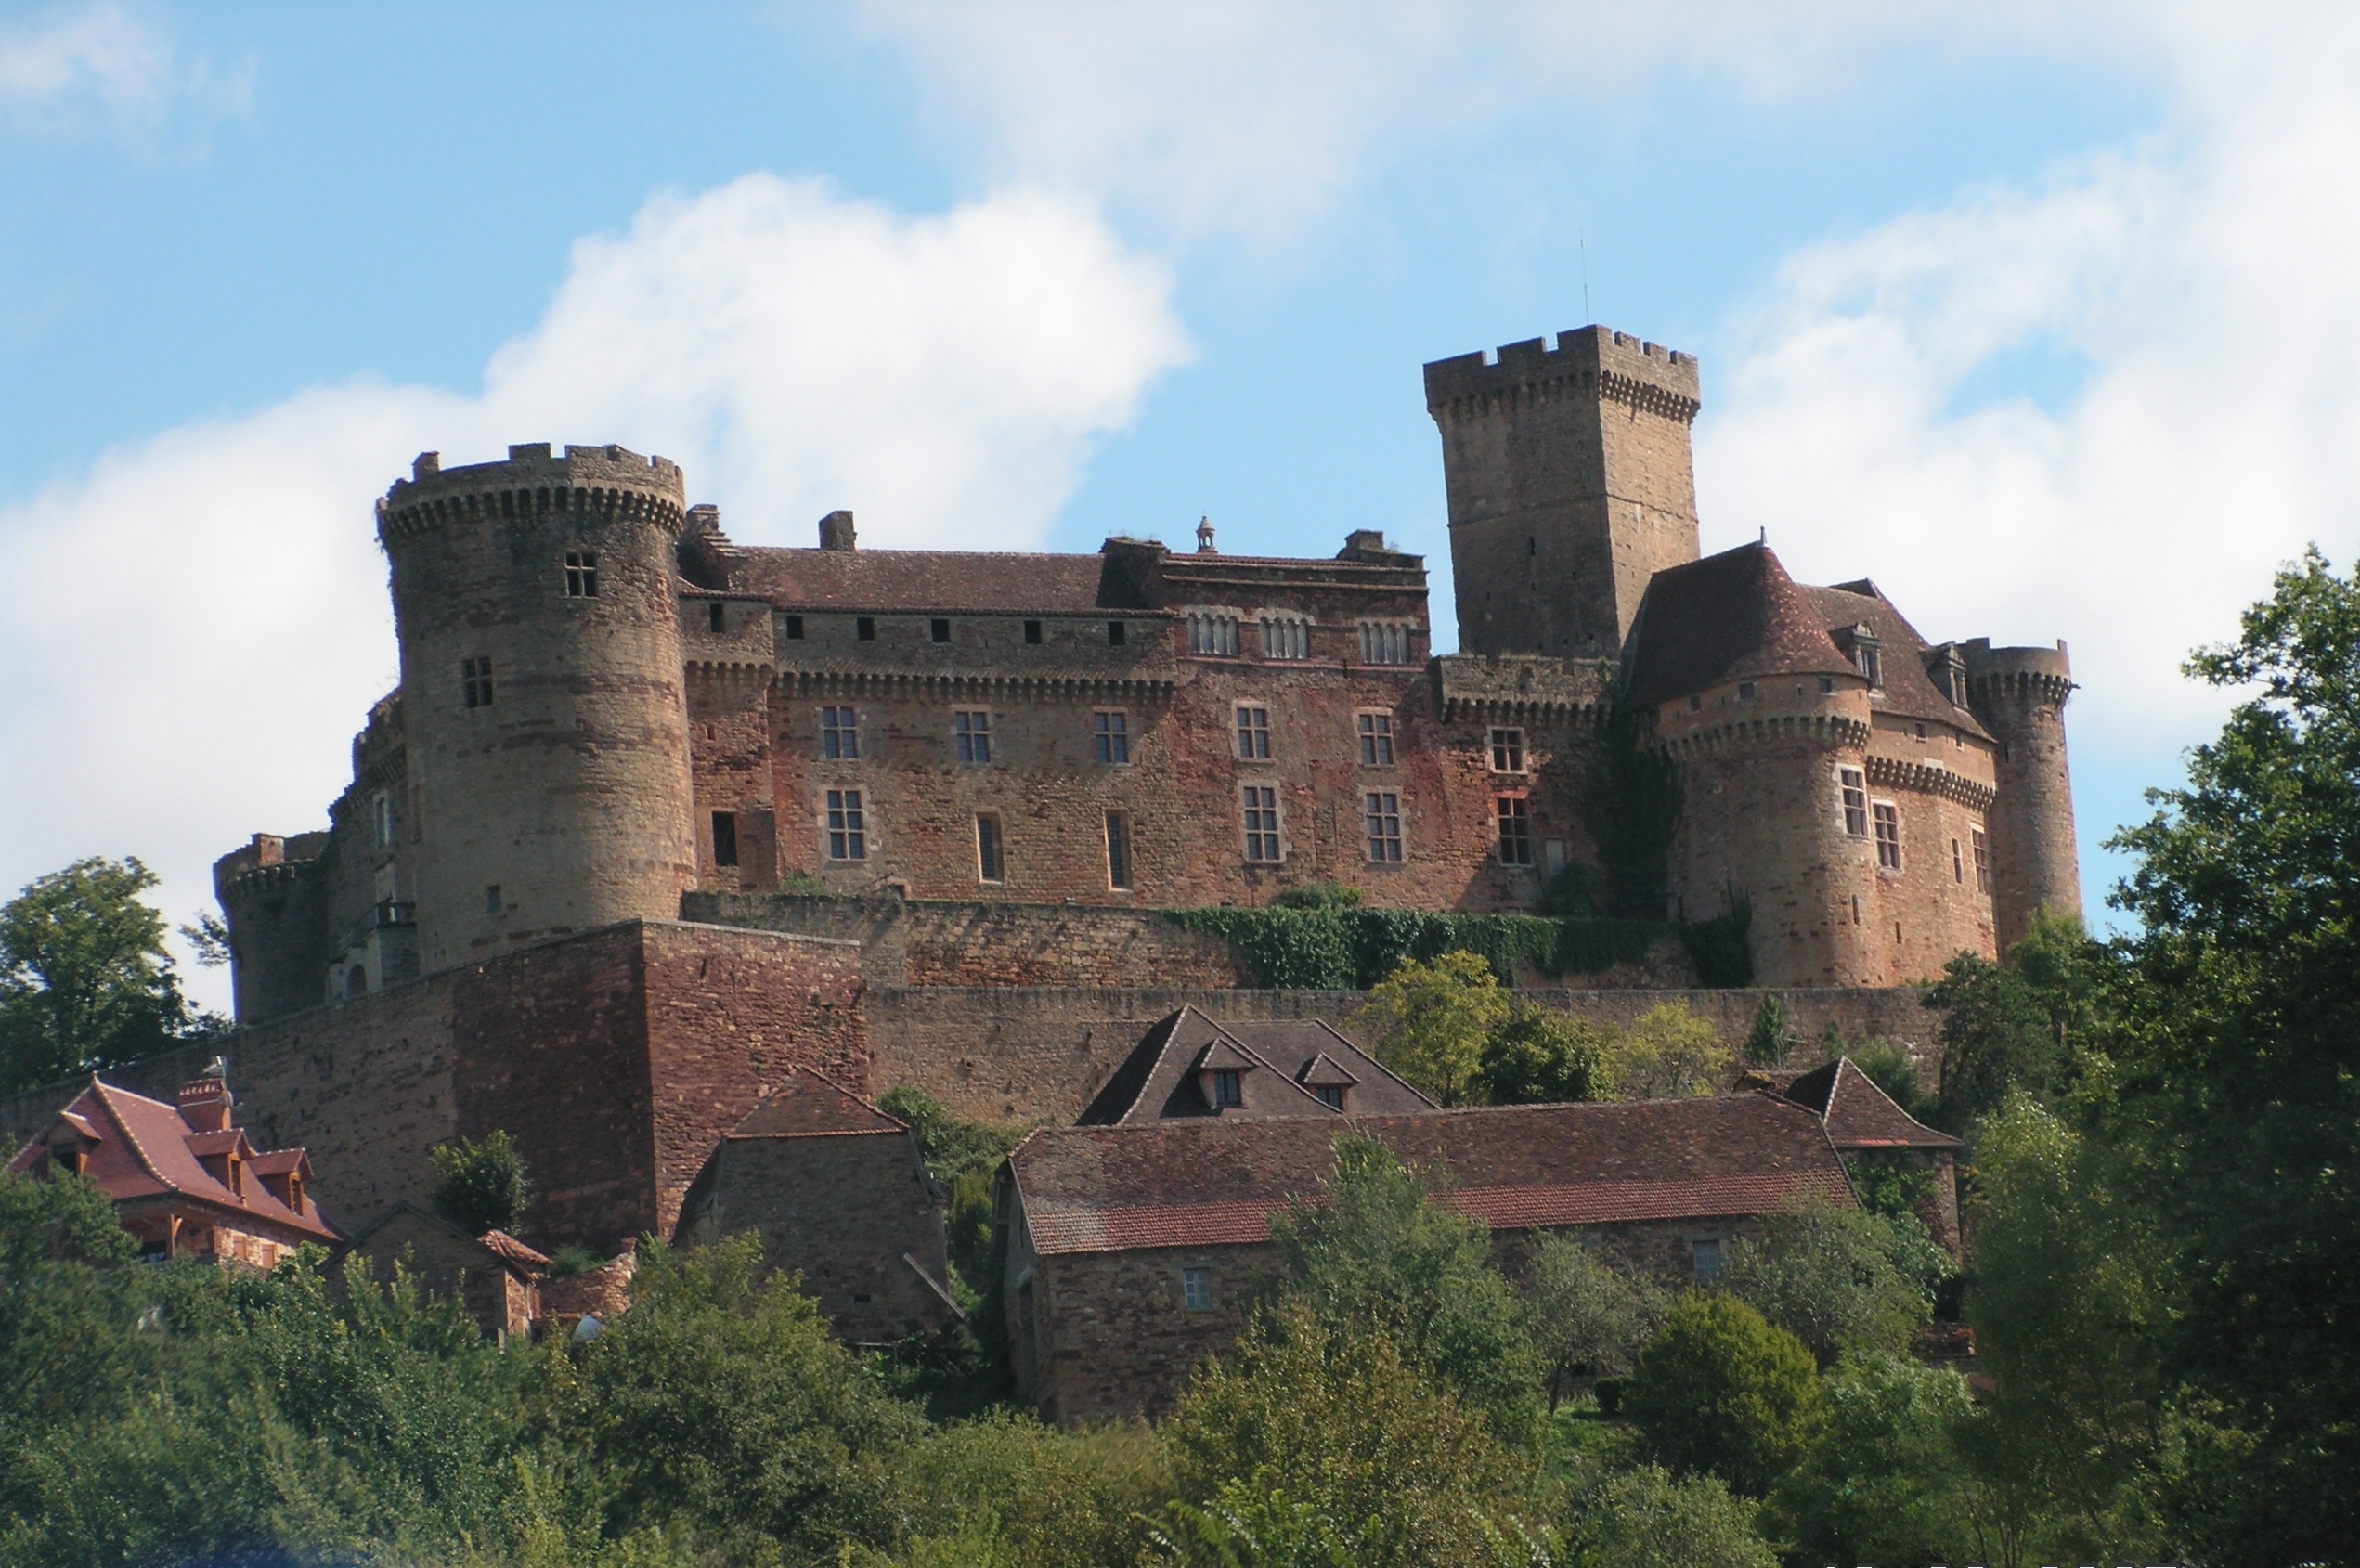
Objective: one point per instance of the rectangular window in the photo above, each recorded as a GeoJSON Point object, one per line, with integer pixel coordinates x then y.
{"type": "Point", "coordinates": [1958, 864]}
{"type": "Point", "coordinates": [1705, 1257]}
{"type": "Point", "coordinates": [1196, 1288]}
{"type": "Point", "coordinates": [1115, 631]}
{"type": "Point", "coordinates": [1032, 631]}
{"type": "Point", "coordinates": [864, 628]}
{"type": "Point", "coordinates": [1376, 740]}
{"type": "Point", "coordinates": [492, 904]}
{"type": "Point", "coordinates": [1331, 1095]}
{"type": "Point", "coordinates": [381, 817]}
{"type": "Point", "coordinates": [839, 735]}
{"type": "Point", "coordinates": [1506, 751]}
{"type": "Point", "coordinates": [1261, 822]}
{"type": "Point", "coordinates": [1515, 831]}
{"type": "Point", "coordinates": [1384, 812]}
{"type": "Point", "coordinates": [1228, 1092]}
{"type": "Point", "coordinates": [1383, 643]}
{"type": "Point", "coordinates": [475, 680]}
{"type": "Point", "coordinates": [1826, 684]}
{"type": "Point", "coordinates": [581, 575]}
{"type": "Point", "coordinates": [1746, 690]}
{"type": "Point", "coordinates": [725, 838]}
{"type": "Point", "coordinates": [795, 629]}
{"type": "Point", "coordinates": [1111, 737]}
{"type": "Point", "coordinates": [1254, 733]}
{"type": "Point", "coordinates": [1285, 638]}
{"type": "Point", "coordinates": [971, 734]}
{"type": "Point", "coordinates": [1118, 850]}
{"type": "Point", "coordinates": [847, 828]}
{"type": "Point", "coordinates": [1213, 635]}
{"type": "Point", "coordinates": [1854, 786]}
{"type": "Point", "coordinates": [988, 850]}
{"type": "Point", "coordinates": [939, 629]}
{"type": "Point", "coordinates": [1983, 862]}
{"type": "Point", "coordinates": [1888, 836]}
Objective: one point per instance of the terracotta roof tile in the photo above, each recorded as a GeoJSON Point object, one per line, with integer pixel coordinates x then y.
{"type": "Point", "coordinates": [807, 1105]}
{"type": "Point", "coordinates": [1157, 1080]}
{"type": "Point", "coordinates": [949, 581]}
{"type": "Point", "coordinates": [514, 1251]}
{"type": "Point", "coordinates": [1204, 1181]}
{"type": "Point", "coordinates": [1858, 1113]}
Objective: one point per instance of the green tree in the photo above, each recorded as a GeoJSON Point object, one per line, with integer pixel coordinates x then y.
{"type": "Point", "coordinates": [1588, 1315]}
{"type": "Point", "coordinates": [85, 983]}
{"type": "Point", "coordinates": [1360, 1445]}
{"type": "Point", "coordinates": [1048, 1497]}
{"type": "Point", "coordinates": [2023, 1022]}
{"type": "Point", "coordinates": [1768, 1041]}
{"type": "Point", "coordinates": [1430, 1020]}
{"type": "Point", "coordinates": [2235, 1060]}
{"type": "Point", "coordinates": [481, 1186]}
{"type": "Point", "coordinates": [1667, 1051]}
{"type": "Point", "coordinates": [1540, 1056]}
{"type": "Point", "coordinates": [1840, 1279]}
{"type": "Point", "coordinates": [1647, 1517]}
{"type": "Point", "coordinates": [1380, 1256]}
{"type": "Point", "coordinates": [1720, 1391]}
{"type": "Point", "coordinates": [62, 1313]}
{"type": "Point", "coordinates": [1887, 1482]}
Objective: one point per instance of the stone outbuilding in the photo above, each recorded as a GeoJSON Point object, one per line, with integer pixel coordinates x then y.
{"type": "Point", "coordinates": [839, 1193]}
{"type": "Point", "coordinates": [1189, 1065]}
{"type": "Point", "coordinates": [495, 1278]}
{"type": "Point", "coordinates": [183, 1179]}
{"type": "Point", "coordinates": [1130, 1249]}
{"type": "Point", "coordinates": [1865, 1123]}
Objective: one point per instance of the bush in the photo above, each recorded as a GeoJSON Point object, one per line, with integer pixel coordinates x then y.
{"type": "Point", "coordinates": [481, 1186]}
{"type": "Point", "coordinates": [1768, 1041]}
{"type": "Point", "coordinates": [1887, 1482]}
{"type": "Point", "coordinates": [1840, 1279]}
{"type": "Point", "coordinates": [1668, 1052]}
{"type": "Point", "coordinates": [1540, 1056]}
{"type": "Point", "coordinates": [1587, 1316]}
{"type": "Point", "coordinates": [1045, 1498]}
{"type": "Point", "coordinates": [1720, 1391]}
{"type": "Point", "coordinates": [1645, 1518]}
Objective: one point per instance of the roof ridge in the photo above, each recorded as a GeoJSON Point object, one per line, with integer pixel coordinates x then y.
{"type": "Point", "coordinates": [104, 1089]}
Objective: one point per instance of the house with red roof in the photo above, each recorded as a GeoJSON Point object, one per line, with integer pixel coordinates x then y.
{"type": "Point", "coordinates": [183, 1178]}
{"type": "Point", "coordinates": [1865, 1124]}
{"type": "Point", "coordinates": [839, 1194]}
{"type": "Point", "coordinates": [1188, 1064]}
{"type": "Point", "coordinates": [1130, 1249]}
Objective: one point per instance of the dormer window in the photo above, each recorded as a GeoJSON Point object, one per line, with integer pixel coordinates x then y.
{"type": "Point", "coordinates": [1861, 644]}
{"type": "Point", "coordinates": [1331, 1095]}
{"type": "Point", "coordinates": [1229, 1090]}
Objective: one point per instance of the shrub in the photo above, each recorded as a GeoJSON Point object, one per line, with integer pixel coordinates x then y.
{"type": "Point", "coordinates": [1768, 1041]}
{"type": "Point", "coordinates": [1588, 1315]}
{"type": "Point", "coordinates": [1840, 1279]}
{"type": "Point", "coordinates": [1720, 1391]}
{"type": "Point", "coordinates": [1646, 1518]}
{"type": "Point", "coordinates": [1540, 1056]}
{"type": "Point", "coordinates": [481, 1186]}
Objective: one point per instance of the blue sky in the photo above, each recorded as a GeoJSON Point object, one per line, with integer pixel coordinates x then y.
{"type": "Point", "coordinates": [2038, 315]}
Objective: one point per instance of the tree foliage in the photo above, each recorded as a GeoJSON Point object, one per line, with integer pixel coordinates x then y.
{"type": "Point", "coordinates": [1722, 1391]}
{"type": "Point", "coordinates": [480, 1185]}
{"type": "Point", "coordinates": [1430, 1022]}
{"type": "Point", "coordinates": [1648, 1518]}
{"type": "Point", "coordinates": [85, 983]}
{"type": "Point", "coordinates": [1888, 1481]}
{"type": "Point", "coordinates": [1588, 1317]}
{"type": "Point", "coordinates": [1667, 1052]}
{"type": "Point", "coordinates": [1539, 1056]}
{"type": "Point", "coordinates": [1840, 1279]}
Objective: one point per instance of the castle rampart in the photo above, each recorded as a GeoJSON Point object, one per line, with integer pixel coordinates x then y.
{"type": "Point", "coordinates": [2019, 693]}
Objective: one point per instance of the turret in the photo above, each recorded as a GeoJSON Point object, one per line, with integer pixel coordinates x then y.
{"type": "Point", "coordinates": [541, 694]}
{"type": "Point", "coordinates": [2019, 694]}
{"type": "Point", "coordinates": [1570, 487]}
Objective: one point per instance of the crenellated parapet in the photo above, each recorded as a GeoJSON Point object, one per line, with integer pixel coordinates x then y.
{"type": "Point", "coordinates": [1588, 364]}
{"type": "Point", "coordinates": [1522, 687]}
{"type": "Point", "coordinates": [1827, 730]}
{"type": "Point", "coordinates": [609, 484]}
{"type": "Point", "coordinates": [1929, 777]}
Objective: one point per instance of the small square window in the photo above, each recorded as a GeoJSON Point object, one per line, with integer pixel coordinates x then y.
{"type": "Point", "coordinates": [1826, 685]}
{"type": "Point", "coordinates": [1376, 740]}
{"type": "Point", "coordinates": [971, 734]}
{"type": "Point", "coordinates": [1032, 631]}
{"type": "Point", "coordinates": [1254, 733]}
{"type": "Point", "coordinates": [1118, 850]}
{"type": "Point", "coordinates": [939, 629]}
{"type": "Point", "coordinates": [864, 628]}
{"type": "Point", "coordinates": [717, 617]}
{"type": "Point", "coordinates": [1228, 1091]}
{"type": "Point", "coordinates": [725, 838]}
{"type": "Point", "coordinates": [839, 734]}
{"type": "Point", "coordinates": [847, 838]}
{"type": "Point", "coordinates": [475, 680]}
{"type": "Point", "coordinates": [1515, 830]}
{"type": "Point", "coordinates": [1918, 730]}
{"type": "Point", "coordinates": [1115, 631]}
{"type": "Point", "coordinates": [1111, 737]}
{"type": "Point", "coordinates": [1382, 810]}
{"type": "Point", "coordinates": [1196, 1289]}
{"type": "Point", "coordinates": [795, 629]}
{"type": "Point", "coordinates": [988, 848]}
{"type": "Point", "coordinates": [1888, 836]}
{"type": "Point", "coordinates": [1746, 690]}
{"type": "Point", "coordinates": [1506, 751]}
{"type": "Point", "coordinates": [581, 575]}
{"type": "Point", "coordinates": [1261, 803]}
{"type": "Point", "coordinates": [1696, 704]}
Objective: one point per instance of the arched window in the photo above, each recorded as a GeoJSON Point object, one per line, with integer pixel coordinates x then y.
{"type": "Point", "coordinates": [357, 982]}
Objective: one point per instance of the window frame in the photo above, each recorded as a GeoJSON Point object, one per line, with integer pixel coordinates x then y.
{"type": "Point", "coordinates": [1512, 822]}
{"type": "Point", "coordinates": [1228, 1088]}
{"type": "Point", "coordinates": [1375, 730]}
{"type": "Point", "coordinates": [725, 839]}
{"type": "Point", "coordinates": [1251, 735]}
{"type": "Point", "coordinates": [1123, 869]}
{"type": "Point", "coordinates": [581, 573]}
{"type": "Point", "coordinates": [839, 732]}
{"type": "Point", "coordinates": [1265, 841]}
{"type": "Point", "coordinates": [1286, 637]}
{"type": "Point", "coordinates": [1386, 643]}
{"type": "Point", "coordinates": [971, 736]}
{"type": "Point", "coordinates": [1884, 814]}
{"type": "Point", "coordinates": [1509, 754]}
{"type": "Point", "coordinates": [1381, 824]}
{"type": "Point", "coordinates": [1981, 844]}
{"type": "Point", "coordinates": [1110, 736]}
{"type": "Point", "coordinates": [990, 848]}
{"type": "Point", "coordinates": [1196, 1287]}
{"type": "Point", "coordinates": [1851, 788]}
{"type": "Point", "coordinates": [844, 825]}
{"type": "Point", "coordinates": [476, 687]}
{"type": "Point", "coordinates": [1213, 634]}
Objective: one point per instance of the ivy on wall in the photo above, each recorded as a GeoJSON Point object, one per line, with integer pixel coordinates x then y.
{"type": "Point", "coordinates": [1343, 948]}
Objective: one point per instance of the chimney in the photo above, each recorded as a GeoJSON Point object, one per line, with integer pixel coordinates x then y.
{"type": "Point", "coordinates": [835, 531]}
{"type": "Point", "coordinates": [205, 1100]}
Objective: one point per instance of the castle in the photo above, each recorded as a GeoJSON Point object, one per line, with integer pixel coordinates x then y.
{"type": "Point", "coordinates": [654, 823]}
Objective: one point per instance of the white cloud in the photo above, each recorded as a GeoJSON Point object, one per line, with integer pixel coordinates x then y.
{"type": "Point", "coordinates": [101, 65]}
{"type": "Point", "coordinates": [191, 632]}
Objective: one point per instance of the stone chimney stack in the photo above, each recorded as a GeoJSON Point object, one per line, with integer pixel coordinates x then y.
{"type": "Point", "coordinates": [835, 532]}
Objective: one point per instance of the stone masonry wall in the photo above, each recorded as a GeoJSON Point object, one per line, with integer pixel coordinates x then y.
{"type": "Point", "coordinates": [1038, 1055]}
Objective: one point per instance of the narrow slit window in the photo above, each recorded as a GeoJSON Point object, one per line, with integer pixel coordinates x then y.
{"type": "Point", "coordinates": [1254, 733]}
{"type": "Point", "coordinates": [1261, 802]}
{"type": "Point", "coordinates": [475, 680]}
{"type": "Point", "coordinates": [971, 734]}
{"type": "Point", "coordinates": [1958, 864]}
{"type": "Point", "coordinates": [1111, 737]}
{"type": "Point", "coordinates": [1384, 812]}
{"type": "Point", "coordinates": [717, 617]}
{"type": "Point", "coordinates": [988, 850]}
{"type": "Point", "coordinates": [1514, 814]}
{"type": "Point", "coordinates": [725, 838]}
{"type": "Point", "coordinates": [581, 575]}
{"type": "Point", "coordinates": [1376, 740]}
{"type": "Point", "coordinates": [492, 904]}
{"type": "Point", "coordinates": [1118, 850]}
{"type": "Point", "coordinates": [848, 835]}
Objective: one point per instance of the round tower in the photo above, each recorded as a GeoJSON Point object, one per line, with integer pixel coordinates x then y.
{"type": "Point", "coordinates": [2019, 694]}
{"type": "Point", "coordinates": [541, 694]}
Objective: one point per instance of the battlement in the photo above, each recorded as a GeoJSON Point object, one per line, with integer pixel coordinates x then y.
{"type": "Point", "coordinates": [2046, 673]}
{"type": "Point", "coordinates": [1594, 360]}
{"type": "Point", "coordinates": [607, 480]}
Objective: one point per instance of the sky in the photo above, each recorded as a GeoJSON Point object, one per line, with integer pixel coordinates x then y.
{"type": "Point", "coordinates": [2038, 315]}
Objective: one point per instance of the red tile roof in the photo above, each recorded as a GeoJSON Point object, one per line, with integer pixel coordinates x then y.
{"type": "Point", "coordinates": [1858, 1113]}
{"type": "Point", "coordinates": [945, 581]}
{"type": "Point", "coordinates": [807, 1105]}
{"type": "Point", "coordinates": [143, 1148]}
{"type": "Point", "coordinates": [1158, 1078]}
{"type": "Point", "coordinates": [1203, 1182]}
